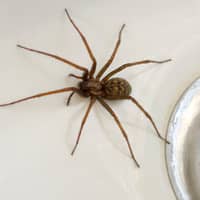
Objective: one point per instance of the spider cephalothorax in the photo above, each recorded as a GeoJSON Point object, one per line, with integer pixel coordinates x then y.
{"type": "Point", "coordinates": [96, 87]}
{"type": "Point", "coordinates": [90, 87]}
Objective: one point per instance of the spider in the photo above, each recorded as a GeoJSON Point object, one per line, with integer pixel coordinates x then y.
{"type": "Point", "coordinates": [97, 88]}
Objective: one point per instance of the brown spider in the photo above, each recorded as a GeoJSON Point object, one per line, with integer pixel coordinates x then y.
{"type": "Point", "coordinates": [97, 88]}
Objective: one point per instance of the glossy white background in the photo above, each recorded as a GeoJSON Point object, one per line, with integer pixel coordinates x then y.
{"type": "Point", "coordinates": [36, 137]}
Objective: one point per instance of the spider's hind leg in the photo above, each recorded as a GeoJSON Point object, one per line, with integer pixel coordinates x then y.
{"type": "Point", "coordinates": [110, 60]}
{"type": "Point", "coordinates": [149, 117]}
{"type": "Point", "coordinates": [109, 109]}
{"type": "Point", "coordinates": [85, 42]}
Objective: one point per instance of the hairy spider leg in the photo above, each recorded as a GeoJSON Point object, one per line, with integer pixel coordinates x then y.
{"type": "Point", "coordinates": [55, 57]}
{"type": "Point", "coordinates": [108, 63]}
{"type": "Point", "coordinates": [92, 101]}
{"type": "Point", "coordinates": [124, 66]}
{"type": "Point", "coordinates": [93, 68]}
{"type": "Point", "coordinates": [148, 116]}
{"type": "Point", "coordinates": [41, 95]}
{"type": "Point", "coordinates": [109, 109]}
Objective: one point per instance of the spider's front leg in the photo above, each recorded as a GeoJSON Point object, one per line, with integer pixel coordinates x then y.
{"type": "Point", "coordinates": [55, 57]}
{"type": "Point", "coordinates": [40, 95]}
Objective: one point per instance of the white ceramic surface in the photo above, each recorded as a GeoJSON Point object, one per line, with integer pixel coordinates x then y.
{"type": "Point", "coordinates": [36, 136]}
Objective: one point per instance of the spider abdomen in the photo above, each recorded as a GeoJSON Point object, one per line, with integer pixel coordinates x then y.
{"type": "Point", "coordinates": [116, 88]}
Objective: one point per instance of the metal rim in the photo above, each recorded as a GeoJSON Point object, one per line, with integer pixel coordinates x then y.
{"type": "Point", "coordinates": [189, 92]}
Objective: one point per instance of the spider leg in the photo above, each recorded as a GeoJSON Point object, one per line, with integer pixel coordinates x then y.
{"type": "Point", "coordinates": [124, 66]}
{"type": "Point", "coordinates": [70, 97]}
{"type": "Point", "coordinates": [109, 109]}
{"type": "Point", "coordinates": [56, 57]}
{"type": "Point", "coordinates": [148, 116]}
{"type": "Point", "coordinates": [108, 63]}
{"type": "Point", "coordinates": [41, 95]}
{"type": "Point", "coordinates": [92, 101]}
{"type": "Point", "coordinates": [75, 76]}
{"type": "Point", "coordinates": [93, 69]}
